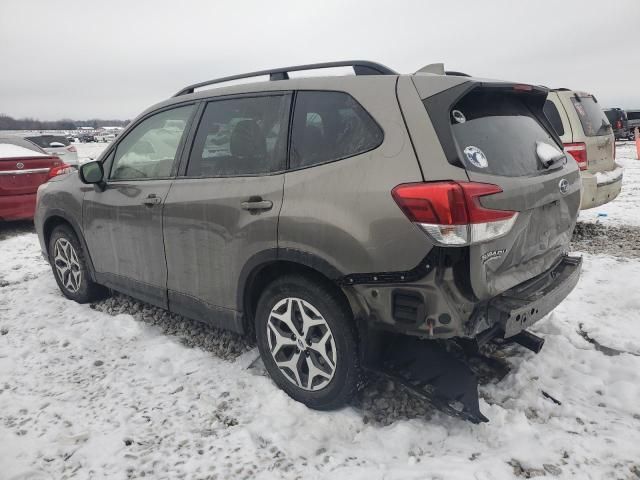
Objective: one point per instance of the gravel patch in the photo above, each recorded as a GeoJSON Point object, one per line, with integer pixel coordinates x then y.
{"type": "Point", "coordinates": [13, 229]}
{"type": "Point", "coordinates": [222, 343]}
{"type": "Point", "coordinates": [595, 238]}
{"type": "Point", "coordinates": [384, 402]}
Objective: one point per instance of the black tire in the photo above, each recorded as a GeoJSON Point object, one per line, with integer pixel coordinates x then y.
{"type": "Point", "coordinates": [87, 290]}
{"type": "Point", "coordinates": [339, 318]}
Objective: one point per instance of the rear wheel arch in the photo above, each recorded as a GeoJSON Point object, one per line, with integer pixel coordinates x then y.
{"type": "Point", "coordinates": [257, 275]}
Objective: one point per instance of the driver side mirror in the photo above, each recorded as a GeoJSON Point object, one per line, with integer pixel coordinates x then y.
{"type": "Point", "coordinates": [92, 173]}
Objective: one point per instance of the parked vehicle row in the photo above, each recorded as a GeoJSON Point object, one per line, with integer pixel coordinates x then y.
{"type": "Point", "coordinates": [349, 222]}
{"type": "Point", "coordinates": [624, 123]}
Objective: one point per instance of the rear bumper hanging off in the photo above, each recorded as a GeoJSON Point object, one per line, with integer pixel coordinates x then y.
{"type": "Point", "coordinates": [523, 305]}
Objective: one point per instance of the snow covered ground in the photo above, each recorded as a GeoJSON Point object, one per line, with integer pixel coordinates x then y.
{"type": "Point", "coordinates": [89, 394]}
{"type": "Point", "coordinates": [626, 208]}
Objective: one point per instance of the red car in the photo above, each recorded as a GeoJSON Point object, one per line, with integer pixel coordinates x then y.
{"type": "Point", "coordinates": [23, 169]}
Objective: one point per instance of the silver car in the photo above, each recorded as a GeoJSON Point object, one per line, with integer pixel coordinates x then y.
{"type": "Point", "coordinates": [57, 145]}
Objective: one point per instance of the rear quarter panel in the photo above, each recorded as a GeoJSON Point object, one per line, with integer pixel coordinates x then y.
{"type": "Point", "coordinates": [343, 212]}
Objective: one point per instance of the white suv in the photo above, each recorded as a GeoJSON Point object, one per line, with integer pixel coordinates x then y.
{"type": "Point", "coordinates": [587, 135]}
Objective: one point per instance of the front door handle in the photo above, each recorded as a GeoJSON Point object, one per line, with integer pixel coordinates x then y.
{"type": "Point", "coordinates": [152, 200]}
{"type": "Point", "coordinates": [257, 204]}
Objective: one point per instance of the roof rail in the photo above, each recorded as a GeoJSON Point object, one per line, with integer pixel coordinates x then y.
{"type": "Point", "coordinates": [360, 67]}
{"type": "Point", "coordinates": [456, 74]}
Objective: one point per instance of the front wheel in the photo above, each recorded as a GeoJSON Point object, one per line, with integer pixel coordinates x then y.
{"type": "Point", "coordinates": [307, 342]}
{"type": "Point", "coordinates": [69, 266]}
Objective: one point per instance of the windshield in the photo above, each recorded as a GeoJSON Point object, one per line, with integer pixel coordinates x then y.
{"type": "Point", "coordinates": [594, 121]}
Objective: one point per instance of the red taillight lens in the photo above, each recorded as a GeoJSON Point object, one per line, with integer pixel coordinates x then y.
{"type": "Point", "coordinates": [451, 212]}
{"type": "Point", "coordinates": [579, 152]}
{"type": "Point", "coordinates": [59, 170]}
{"type": "Point", "coordinates": [71, 148]}
{"type": "Point", "coordinates": [441, 202]}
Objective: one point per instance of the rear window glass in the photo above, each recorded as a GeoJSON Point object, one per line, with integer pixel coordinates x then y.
{"type": "Point", "coordinates": [612, 115]}
{"type": "Point", "coordinates": [594, 122]}
{"type": "Point", "coordinates": [497, 133]}
{"type": "Point", "coordinates": [633, 115]}
{"type": "Point", "coordinates": [551, 111]}
{"type": "Point", "coordinates": [45, 141]}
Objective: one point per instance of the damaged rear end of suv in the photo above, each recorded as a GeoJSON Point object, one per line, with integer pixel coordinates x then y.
{"type": "Point", "coordinates": [497, 207]}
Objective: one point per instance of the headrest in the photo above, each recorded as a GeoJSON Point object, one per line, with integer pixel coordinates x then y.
{"type": "Point", "coordinates": [247, 140]}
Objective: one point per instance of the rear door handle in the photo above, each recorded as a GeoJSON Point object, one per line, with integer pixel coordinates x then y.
{"type": "Point", "coordinates": [152, 200]}
{"type": "Point", "coordinates": [257, 205]}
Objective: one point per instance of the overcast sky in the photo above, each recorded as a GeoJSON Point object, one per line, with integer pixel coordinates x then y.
{"type": "Point", "coordinates": [112, 59]}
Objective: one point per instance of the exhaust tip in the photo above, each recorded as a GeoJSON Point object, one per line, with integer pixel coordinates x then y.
{"type": "Point", "coordinates": [529, 341]}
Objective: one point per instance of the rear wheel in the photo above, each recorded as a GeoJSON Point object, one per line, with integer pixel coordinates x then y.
{"type": "Point", "coordinates": [69, 266]}
{"type": "Point", "coordinates": [307, 342]}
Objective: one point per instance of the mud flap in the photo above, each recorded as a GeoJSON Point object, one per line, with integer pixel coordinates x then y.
{"type": "Point", "coordinates": [434, 374]}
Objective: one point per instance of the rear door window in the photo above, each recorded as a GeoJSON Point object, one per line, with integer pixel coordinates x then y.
{"type": "Point", "coordinates": [241, 136]}
{"type": "Point", "coordinates": [552, 113]}
{"type": "Point", "coordinates": [497, 133]}
{"type": "Point", "coordinates": [329, 126]}
{"type": "Point", "coordinates": [593, 120]}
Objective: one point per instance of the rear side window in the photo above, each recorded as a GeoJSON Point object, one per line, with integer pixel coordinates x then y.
{"type": "Point", "coordinates": [593, 120]}
{"type": "Point", "coordinates": [497, 133]}
{"type": "Point", "coordinates": [551, 111]}
{"type": "Point", "coordinates": [241, 136]}
{"type": "Point", "coordinates": [329, 126]}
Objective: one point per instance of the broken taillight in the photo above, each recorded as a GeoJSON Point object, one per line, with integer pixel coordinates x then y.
{"type": "Point", "coordinates": [451, 213]}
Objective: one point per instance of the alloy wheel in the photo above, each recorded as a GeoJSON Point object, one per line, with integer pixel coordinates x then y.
{"type": "Point", "coordinates": [301, 344]}
{"type": "Point", "coordinates": [67, 265]}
